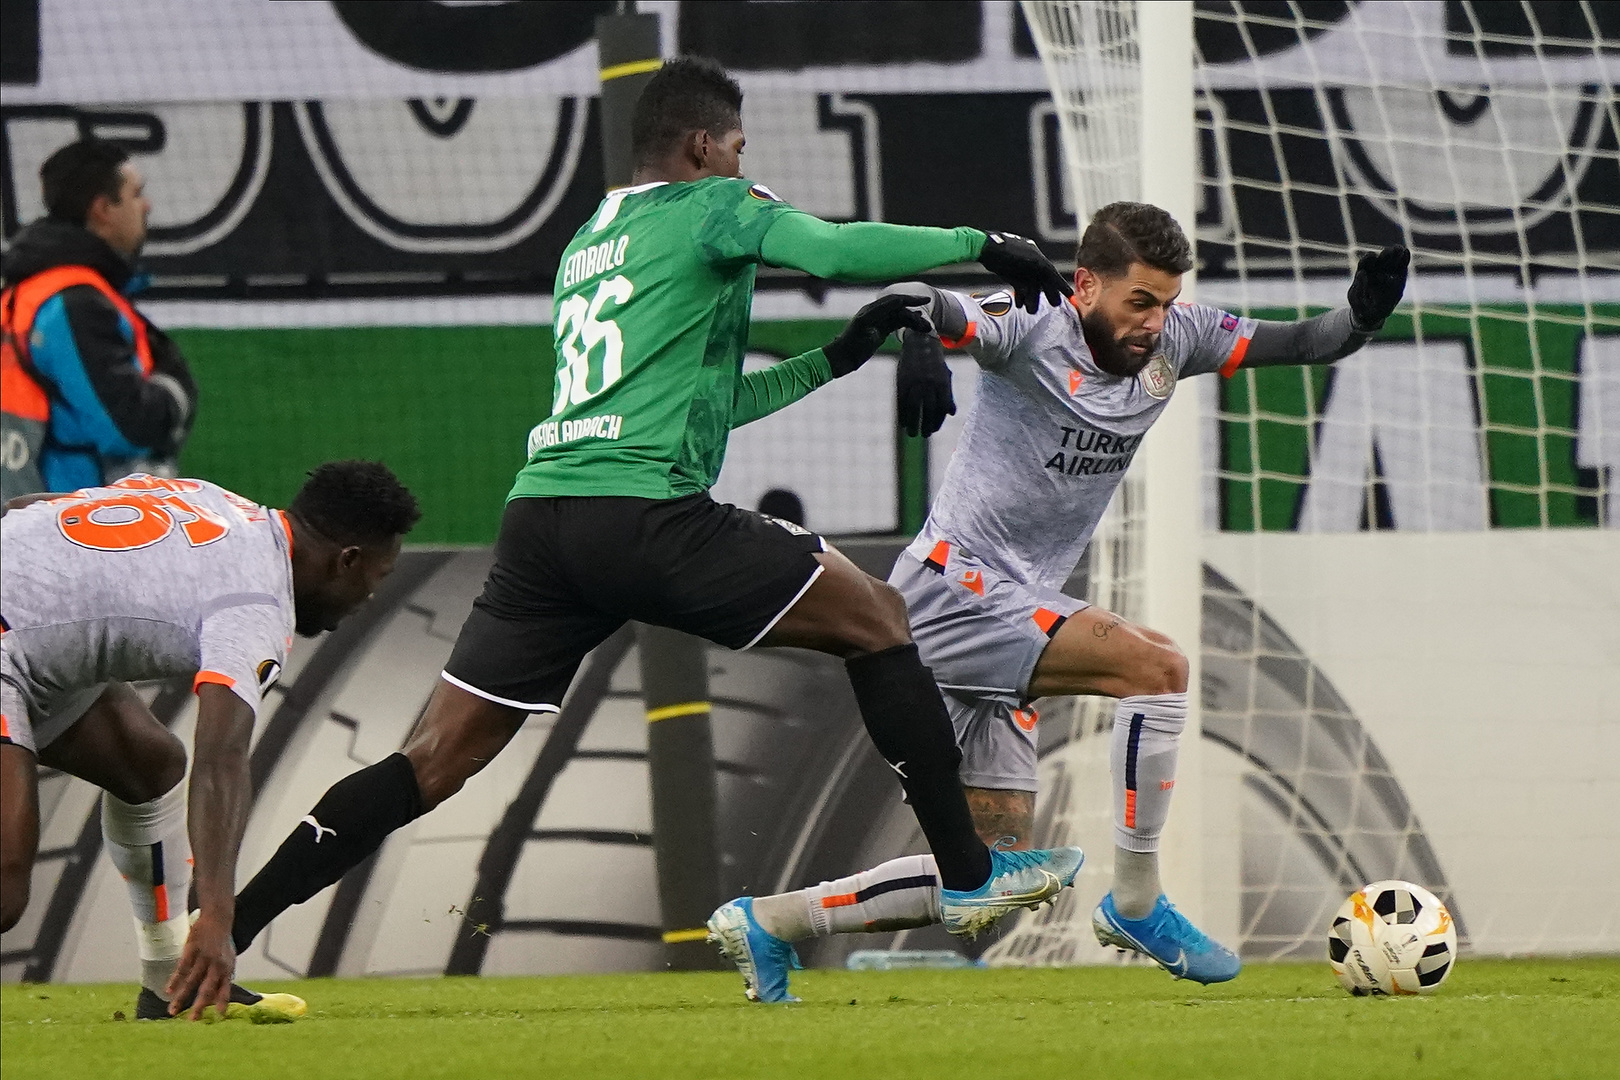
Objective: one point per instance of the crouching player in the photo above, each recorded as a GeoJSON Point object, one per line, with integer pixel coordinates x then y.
{"type": "Point", "coordinates": [150, 579]}
{"type": "Point", "coordinates": [1065, 396]}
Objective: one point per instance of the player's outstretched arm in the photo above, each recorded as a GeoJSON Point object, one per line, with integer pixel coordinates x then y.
{"type": "Point", "coordinates": [221, 793]}
{"type": "Point", "coordinates": [1379, 283]}
{"type": "Point", "coordinates": [764, 392]}
{"type": "Point", "coordinates": [874, 251]}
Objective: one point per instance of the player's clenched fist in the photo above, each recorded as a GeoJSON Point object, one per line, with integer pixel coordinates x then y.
{"type": "Point", "coordinates": [1017, 261]}
{"type": "Point", "coordinates": [871, 327]}
{"type": "Point", "coordinates": [1380, 280]}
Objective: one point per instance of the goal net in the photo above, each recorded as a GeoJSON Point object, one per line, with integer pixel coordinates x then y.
{"type": "Point", "coordinates": [1409, 559]}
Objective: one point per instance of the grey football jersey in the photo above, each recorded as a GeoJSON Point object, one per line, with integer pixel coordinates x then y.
{"type": "Point", "coordinates": [146, 579]}
{"type": "Point", "coordinates": [1051, 434]}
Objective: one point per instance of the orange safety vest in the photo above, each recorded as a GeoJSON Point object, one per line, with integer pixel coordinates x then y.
{"type": "Point", "coordinates": [25, 404]}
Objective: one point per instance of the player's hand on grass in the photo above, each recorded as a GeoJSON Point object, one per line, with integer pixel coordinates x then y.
{"type": "Point", "coordinates": [923, 384]}
{"type": "Point", "coordinates": [1379, 283]}
{"type": "Point", "coordinates": [871, 327]}
{"type": "Point", "coordinates": [1017, 261]}
{"type": "Point", "coordinates": [207, 966]}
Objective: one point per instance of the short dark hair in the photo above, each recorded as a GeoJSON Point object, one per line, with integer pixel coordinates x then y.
{"type": "Point", "coordinates": [72, 177]}
{"type": "Point", "coordinates": [1123, 233]}
{"type": "Point", "coordinates": [689, 93]}
{"type": "Point", "coordinates": [356, 502]}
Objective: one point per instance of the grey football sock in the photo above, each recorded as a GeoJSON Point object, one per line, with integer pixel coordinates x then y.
{"type": "Point", "coordinates": [1136, 882]}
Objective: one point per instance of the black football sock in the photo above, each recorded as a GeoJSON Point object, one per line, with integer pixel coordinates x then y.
{"type": "Point", "coordinates": [350, 822]}
{"type": "Point", "coordinates": [907, 721]}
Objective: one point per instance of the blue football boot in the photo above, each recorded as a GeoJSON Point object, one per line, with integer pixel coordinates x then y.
{"type": "Point", "coordinates": [763, 958]}
{"type": "Point", "coordinates": [1018, 879]}
{"type": "Point", "coordinates": [1168, 939]}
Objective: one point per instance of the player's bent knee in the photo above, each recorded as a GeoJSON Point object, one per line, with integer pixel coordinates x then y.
{"type": "Point", "coordinates": [884, 625]}
{"type": "Point", "coordinates": [1165, 670]}
{"type": "Point", "coordinates": [171, 766]}
{"type": "Point", "coordinates": [896, 620]}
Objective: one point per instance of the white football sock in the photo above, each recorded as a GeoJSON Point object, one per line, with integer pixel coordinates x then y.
{"type": "Point", "coordinates": [901, 894]}
{"type": "Point", "coordinates": [149, 846]}
{"type": "Point", "coordinates": [1147, 736]}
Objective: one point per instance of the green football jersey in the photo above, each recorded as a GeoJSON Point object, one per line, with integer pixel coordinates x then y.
{"type": "Point", "coordinates": [651, 318]}
{"type": "Point", "coordinates": [651, 321]}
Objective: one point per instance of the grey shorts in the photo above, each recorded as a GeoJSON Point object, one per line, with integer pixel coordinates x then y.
{"type": "Point", "coordinates": [31, 718]}
{"type": "Point", "coordinates": [982, 634]}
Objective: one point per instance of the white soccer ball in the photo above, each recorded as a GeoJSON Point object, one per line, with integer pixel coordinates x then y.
{"type": "Point", "coordinates": [1392, 937]}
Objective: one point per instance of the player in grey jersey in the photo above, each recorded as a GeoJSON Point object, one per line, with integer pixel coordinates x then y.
{"type": "Point", "coordinates": [153, 578]}
{"type": "Point", "coordinates": [1065, 396]}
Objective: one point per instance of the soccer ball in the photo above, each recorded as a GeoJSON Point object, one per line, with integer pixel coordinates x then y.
{"type": "Point", "coordinates": [1392, 937]}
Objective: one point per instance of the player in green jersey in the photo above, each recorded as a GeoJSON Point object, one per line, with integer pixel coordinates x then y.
{"type": "Point", "coordinates": [610, 520]}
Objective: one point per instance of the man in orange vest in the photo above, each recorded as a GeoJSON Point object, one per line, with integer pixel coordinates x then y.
{"type": "Point", "coordinates": [91, 390]}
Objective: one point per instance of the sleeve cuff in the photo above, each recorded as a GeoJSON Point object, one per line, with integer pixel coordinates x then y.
{"type": "Point", "coordinates": [968, 335]}
{"type": "Point", "coordinates": [212, 677]}
{"type": "Point", "coordinates": [1235, 358]}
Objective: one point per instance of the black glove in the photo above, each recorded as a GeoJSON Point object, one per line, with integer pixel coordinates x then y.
{"type": "Point", "coordinates": [1019, 263]}
{"type": "Point", "coordinates": [870, 328]}
{"type": "Point", "coordinates": [1380, 281]}
{"type": "Point", "coordinates": [923, 384]}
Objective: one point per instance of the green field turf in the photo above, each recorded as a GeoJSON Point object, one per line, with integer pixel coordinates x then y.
{"type": "Point", "coordinates": [1519, 1019]}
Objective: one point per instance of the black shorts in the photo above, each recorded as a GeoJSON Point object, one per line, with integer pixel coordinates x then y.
{"type": "Point", "coordinates": [569, 571]}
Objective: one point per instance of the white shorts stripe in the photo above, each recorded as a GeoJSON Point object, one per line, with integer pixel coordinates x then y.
{"type": "Point", "coordinates": [531, 707]}
{"type": "Point", "coordinates": [796, 597]}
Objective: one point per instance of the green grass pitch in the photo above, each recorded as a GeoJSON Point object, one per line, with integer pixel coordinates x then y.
{"type": "Point", "coordinates": [1519, 1019]}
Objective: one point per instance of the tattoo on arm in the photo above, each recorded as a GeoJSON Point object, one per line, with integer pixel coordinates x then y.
{"type": "Point", "coordinates": [1101, 629]}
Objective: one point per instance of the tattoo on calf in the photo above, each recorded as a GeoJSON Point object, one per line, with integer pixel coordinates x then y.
{"type": "Point", "coordinates": [1005, 817]}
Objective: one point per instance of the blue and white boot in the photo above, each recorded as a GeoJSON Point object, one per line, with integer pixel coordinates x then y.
{"type": "Point", "coordinates": [1168, 939]}
{"type": "Point", "coordinates": [763, 959]}
{"type": "Point", "coordinates": [1018, 879]}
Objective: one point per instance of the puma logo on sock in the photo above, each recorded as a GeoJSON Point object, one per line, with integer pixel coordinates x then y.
{"type": "Point", "coordinates": [317, 826]}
